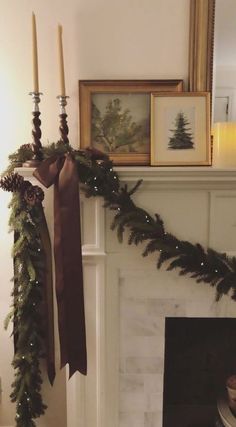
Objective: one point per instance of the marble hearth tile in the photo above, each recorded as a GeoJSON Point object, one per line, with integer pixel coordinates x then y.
{"type": "Point", "coordinates": [130, 402]}
{"type": "Point", "coordinates": [166, 307]}
{"type": "Point", "coordinates": [155, 402]}
{"type": "Point", "coordinates": [154, 284]}
{"type": "Point", "coordinates": [206, 307]}
{"type": "Point", "coordinates": [132, 383]}
{"type": "Point", "coordinates": [133, 307]}
{"type": "Point", "coordinates": [153, 383]}
{"type": "Point", "coordinates": [142, 346]}
{"type": "Point", "coordinates": [139, 274]}
{"type": "Point", "coordinates": [131, 419]}
{"type": "Point", "coordinates": [153, 419]}
{"type": "Point", "coordinates": [144, 365]}
{"type": "Point", "coordinates": [122, 362]}
{"type": "Point", "coordinates": [162, 284]}
{"type": "Point", "coordinates": [227, 306]}
{"type": "Point", "coordinates": [141, 326]}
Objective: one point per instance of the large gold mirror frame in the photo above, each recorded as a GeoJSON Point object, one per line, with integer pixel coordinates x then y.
{"type": "Point", "coordinates": [201, 45]}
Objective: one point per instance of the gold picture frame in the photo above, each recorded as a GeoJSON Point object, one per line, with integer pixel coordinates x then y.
{"type": "Point", "coordinates": [115, 117]}
{"type": "Point", "coordinates": [201, 44]}
{"type": "Point", "coordinates": [180, 134]}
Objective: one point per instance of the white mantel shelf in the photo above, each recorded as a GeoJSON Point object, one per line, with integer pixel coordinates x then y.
{"type": "Point", "coordinates": [181, 177]}
{"type": "Point", "coordinates": [180, 173]}
{"type": "Point", "coordinates": [174, 177]}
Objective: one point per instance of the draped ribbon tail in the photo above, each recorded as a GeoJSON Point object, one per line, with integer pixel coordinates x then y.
{"type": "Point", "coordinates": [62, 171]}
{"type": "Point", "coordinates": [48, 312]}
{"type": "Point", "coordinates": [15, 296]}
{"type": "Point", "coordinates": [47, 300]}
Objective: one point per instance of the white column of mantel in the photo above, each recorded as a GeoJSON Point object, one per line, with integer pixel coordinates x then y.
{"type": "Point", "coordinates": [85, 395]}
{"type": "Point", "coordinates": [57, 393]}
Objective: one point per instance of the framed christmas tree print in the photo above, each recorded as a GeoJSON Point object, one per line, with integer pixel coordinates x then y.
{"type": "Point", "coordinates": [180, 129]}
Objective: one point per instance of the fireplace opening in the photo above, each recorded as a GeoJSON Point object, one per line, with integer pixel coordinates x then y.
{"type": "Point", "coordinates": [200, 355]}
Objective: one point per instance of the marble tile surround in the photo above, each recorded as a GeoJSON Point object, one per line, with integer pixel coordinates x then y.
{"type": "Point", "coordinates": [142, 339]}
{"type": "Point", "coordinates": [142, 329]}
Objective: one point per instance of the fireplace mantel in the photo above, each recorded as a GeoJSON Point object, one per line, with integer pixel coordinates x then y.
{"type": "Point", "coordinates": [195, 177]}
{"type": "Point", "coordinates": [169, 175]}
{"type": "Point", "coordinates": [127, 299]}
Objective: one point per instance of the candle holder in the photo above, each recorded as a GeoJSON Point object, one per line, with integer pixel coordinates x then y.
{"type": "Point", "coordinates": [36, 132]}
{"type": "Point", "coordinates": [63, 128]}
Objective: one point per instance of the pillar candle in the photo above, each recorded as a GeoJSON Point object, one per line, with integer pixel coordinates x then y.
{"type": "Point", "coordinates": [224, 144]}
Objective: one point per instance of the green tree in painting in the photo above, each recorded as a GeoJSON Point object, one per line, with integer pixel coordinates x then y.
{"type": "Point", "coordinates": [182, 138]}
{"type": "Point", "coordinates": [116, 128]}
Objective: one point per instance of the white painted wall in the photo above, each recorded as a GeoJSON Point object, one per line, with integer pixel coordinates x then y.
{"type": "Point", "coordinates": [225, 86]}
{"type": "Point", "coordinates": [225, 54]}
{"type": "Point", "coordinates": [103, 39]}
{"type": "Point", "coordinates": [225, 33]}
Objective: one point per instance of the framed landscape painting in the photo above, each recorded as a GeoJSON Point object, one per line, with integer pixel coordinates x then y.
{"type": "Point", "coordinates": [115, 117]}
{"type": "Point", "coordinates": [180, 133]}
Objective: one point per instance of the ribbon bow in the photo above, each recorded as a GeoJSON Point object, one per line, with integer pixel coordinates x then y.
{"type": "Point", "coordinates": [62, 172]}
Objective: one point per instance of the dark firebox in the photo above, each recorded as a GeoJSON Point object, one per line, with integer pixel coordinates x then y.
{"type": "Point", "coordinates": [200, 353]}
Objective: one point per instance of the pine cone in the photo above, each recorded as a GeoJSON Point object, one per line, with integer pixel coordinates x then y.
{"type": "Point", "coordinates": [25, 147]}
{"type": "Point", "coordinates": [94, 154]}
{"type": "Point", "coordinates": [33, 194]}
{"type": "Point", "coordinates": [12, 182]}
{"type": "Point", "coordinates": [39, 194]}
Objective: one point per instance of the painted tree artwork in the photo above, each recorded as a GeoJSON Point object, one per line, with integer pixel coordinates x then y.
{"type": "Point", "coordinates": [182, 135]}
{"type": "Point", "coordinates": [116, 128]}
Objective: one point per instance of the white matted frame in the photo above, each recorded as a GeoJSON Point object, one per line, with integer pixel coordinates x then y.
{"type": "Point", "coordinates": [180, 129]}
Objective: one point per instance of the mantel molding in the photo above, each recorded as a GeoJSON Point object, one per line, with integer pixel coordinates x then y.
{"type": "Point", "coordinates": [181, 177]}
{"type": "Point", "coordinates": [171, 177]}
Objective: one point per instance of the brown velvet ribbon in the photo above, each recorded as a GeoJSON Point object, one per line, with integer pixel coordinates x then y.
{"type": "Point", "coordinates": [62, 172]}
{"type": "Point", "coordinates": [47, 300]}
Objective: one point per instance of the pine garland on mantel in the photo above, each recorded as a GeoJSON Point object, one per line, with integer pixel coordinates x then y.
{"type": "Point", "coordinates": [96, 172]}
{"type": "Point", "coordinates": [28, 256]}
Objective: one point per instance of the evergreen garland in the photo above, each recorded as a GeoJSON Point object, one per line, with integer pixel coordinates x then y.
{"type": "Point", "coordinates": [27, 253]}
{"type": "Point", "coordinates": [95, 171]}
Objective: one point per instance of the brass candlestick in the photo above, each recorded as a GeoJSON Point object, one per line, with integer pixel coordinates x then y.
{"type": "Point", "coordinates": [36, 132]}
{"type": "Point", "coordinates": [63, 128]}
